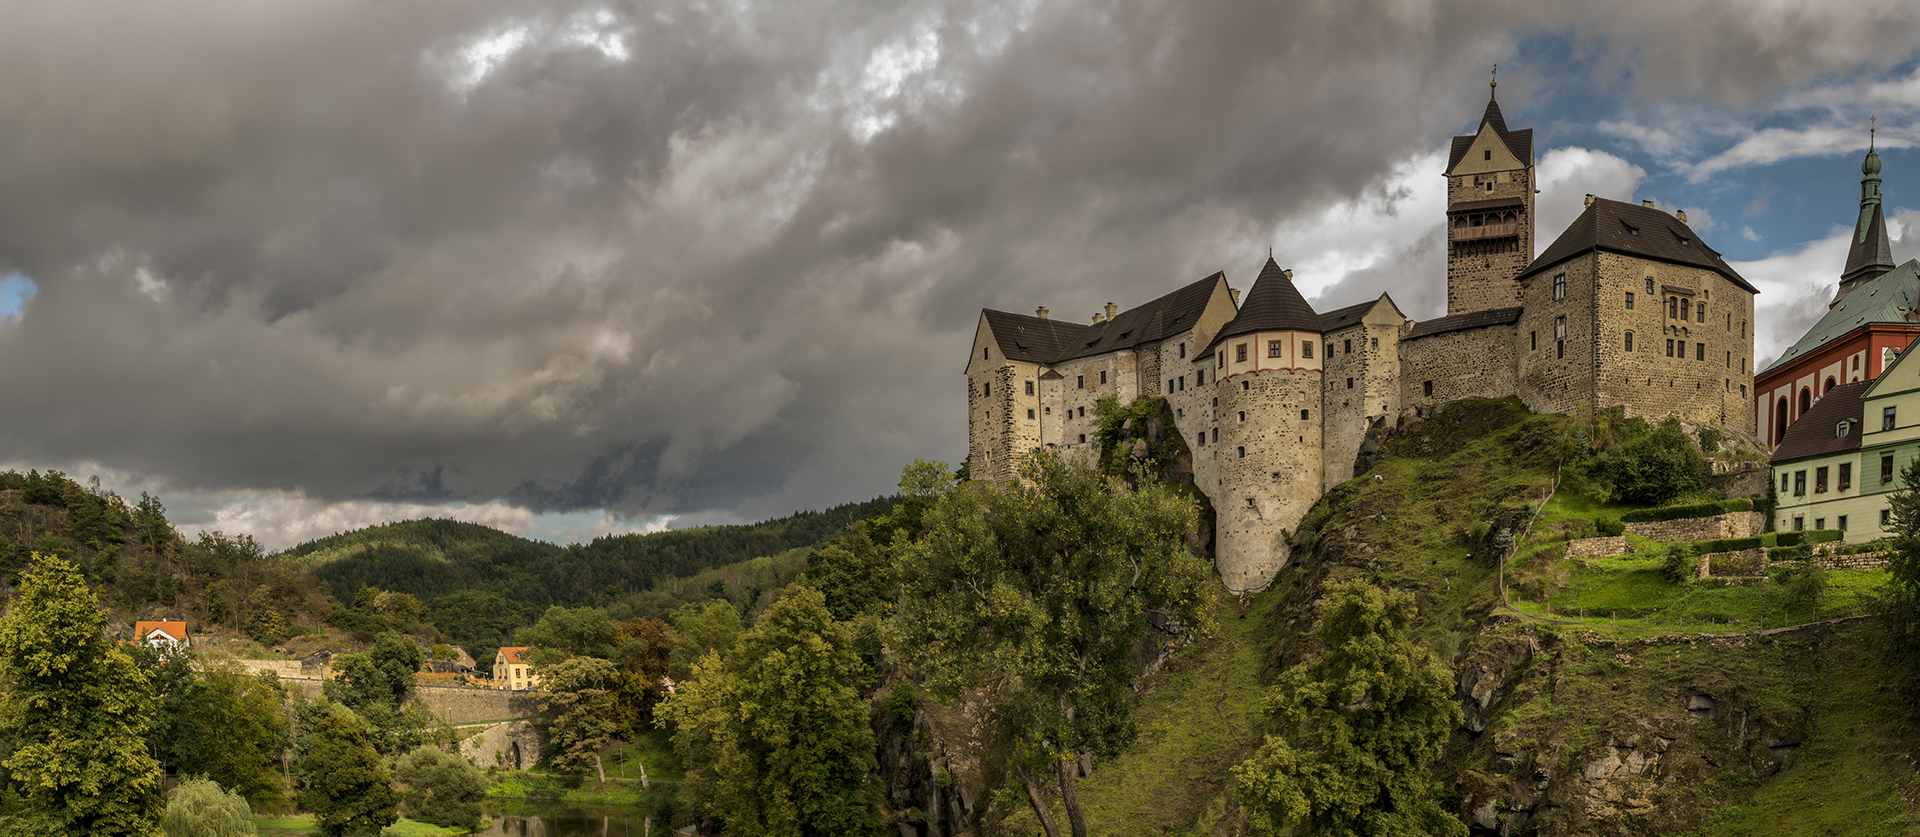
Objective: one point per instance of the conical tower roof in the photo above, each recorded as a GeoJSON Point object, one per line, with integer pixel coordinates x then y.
{"type": "Point", "coordinates": [1871, 254]}
{"type": "Point", "coordinates": [1273, 304]}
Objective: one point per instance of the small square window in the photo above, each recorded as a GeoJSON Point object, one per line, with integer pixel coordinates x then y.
{"type": "Point", "coordinates": [1374, 342]}
{"type": "Point", "coordinates": [1240, 352]}
{"type": "Point", "coordinates": [1273, 348]}
{"type": "Point", "coordinates": [1349, 383]}
{"type": "Point", "coordinates": [1303, 415]}
{"type": "Point", "coordinates": [1029, 413]}
{"type": "Point", "coordinates": [1841, 523]}
{"type": "Point", "coordinates": [1886, 418]}
{"type": "Point", "coordinates": [1306, 348]}
{"type": "Point", "coordinates": [1629, 300]}
{"type": "Point", "coordinates": [1426, 388]}
{"type": "Point", "coordinates": [1886, 518]}
{"type": "Point", "coordinates": [1246, 385]}
{"type": "Point", "coordinates": [1029, 387]}
{"type": "Point", "coordinates": [1083, 438]}
{"type": "Point", "coordinates": [1819, 523]}
{"type": "Point", "coordinates": [1799, 523]}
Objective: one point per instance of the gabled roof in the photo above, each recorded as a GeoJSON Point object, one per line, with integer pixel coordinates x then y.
{"type": "Point", "coordinates": [1519, 142]}
{"type": "Point", "coordinates": [1633, 230]}
{"type": "Point", "coordinates": [1815, 434]}
{"type": "Point", "coordinates": [515, 654]}
{"type": "Point", "coordinates": [1273, 304]}
{"type": "Point", "coordinates": [1462, 322]}
{"type": "Point", "coordinates": [1031, 339]}
{"type": "Point", "coordinates": [1890, 298]}
{"type": "Point", "coordinates": [1155, 321]}
{"type": "Point", "coordinates": [1340, 318]}
{"type": "Point", "coordinates": [176, 631]}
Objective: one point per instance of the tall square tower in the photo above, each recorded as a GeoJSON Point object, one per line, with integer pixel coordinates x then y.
{"type": "Point", "coordinates": [1490, 186]}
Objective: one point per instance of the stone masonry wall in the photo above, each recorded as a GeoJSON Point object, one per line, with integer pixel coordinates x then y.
{"type": "Point", "coordinates": [1270, 470]}
{"type": "Point", "coordinates": [1343, 403]}
{"type": "Point", "coordinates": [1556, 373]}
{"type": "Point", "coordinates": [1713, 382]}
{"type": "Point", "coordinates": [1480, 273]}
{"type": "Point", "coordinates": [1745, 562]}
{"type": "Point", "coordinates": [1488, 372]}
{"type": "Point", "coordinates": [1730, 525]}
{"type": "Point", "coordinates": [1597, 547]}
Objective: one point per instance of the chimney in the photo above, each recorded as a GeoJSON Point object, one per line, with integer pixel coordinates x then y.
{"type": "Point", "coordinates": [1287, 273]}
{"type": "Point", "coordinates": [1040, 312]}
{"type": "Point", "coordinates": [1647, 204]}
{"type": "Point", "coordinates": [1589, 200]}
{"type": "Point", "coordinates": [1097, 317]}
{"type": "Point", "coordinates": [1680, 214]}
{"type": "Point", "coordinates": [1234, 294]}
{"type": "Point", "coordinates": [1111, 310]}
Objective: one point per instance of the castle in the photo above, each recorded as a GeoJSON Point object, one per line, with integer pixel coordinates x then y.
{"type": "Point", "coordinates": [1275, 398]}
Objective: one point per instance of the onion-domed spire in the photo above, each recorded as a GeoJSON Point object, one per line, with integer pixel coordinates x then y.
{"type": "Point", "coordinates": [1871, 254]}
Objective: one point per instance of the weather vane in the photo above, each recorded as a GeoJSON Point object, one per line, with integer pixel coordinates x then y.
{"type": "Point", "coordinates": [1872, 126]}
{"type": "Point", "coordinates": [1496, 77]}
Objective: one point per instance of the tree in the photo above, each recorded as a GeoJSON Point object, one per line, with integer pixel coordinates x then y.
{"type": "Point", "coordinates": [232, 729]}
{"type": "Point", "coordinates": [577, 712]}
{"type": "Point", "coordinates": [342, 780]}
{"type": "Point", "coordinates": [776, 734]}
{"type": "Point", "coordinates": [1038, 592]}
{"type": "Point", "coordinates": [441, 788]}
{"type": "Point", "coordinates": [854, 572]}
{"type": "Point", "coordinates": [384, 674]}
{"type": "Point", "coordinates": [1654, 466]}
{"type": "Point", "coordinates": [714, 627]}
{"type": "Point", "coordinates": [200, 808]}
{"type": "Point", "coordinates": [75, 714]}
{"type": "Point", "coordinates": [643, 657]}
{"type": "Point", "coordinates": [1354, 728]}
{"type": "Point", "coordinates": [1899, 597]}
{"type": "Point", "coordinates": [580, 631]}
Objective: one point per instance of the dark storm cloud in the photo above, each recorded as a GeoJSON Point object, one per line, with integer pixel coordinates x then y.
{"type": "Point", "coordinates": [665, 257]}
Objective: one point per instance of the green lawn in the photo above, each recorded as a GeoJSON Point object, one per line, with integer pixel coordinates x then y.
{"type": "Point", "coordinates": [302, 824]}
{"type": "Point", "coordinates": [1631, 590]}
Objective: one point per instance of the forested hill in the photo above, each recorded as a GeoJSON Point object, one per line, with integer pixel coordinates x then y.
{"type": "Point", "coordinates": [433, 559]}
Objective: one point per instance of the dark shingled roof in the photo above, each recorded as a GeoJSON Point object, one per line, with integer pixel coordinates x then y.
{"type": "Point", "coordinates": [1871, 254]}
{"type": "Point", "coordinates": [1273, 304]}
{"type": "Point", "coordinates": [1154, 321]}
{"type": "Point", "coordinates": [1462, 322]}
{"type": "Point", "coordinates": [1519, 142]}
{"type": "Point", "coordinates": [1031, 339]}
{"type": "Point", "coordinates": [1813, 434]}
{"type": "Point", "coordinates": [1633, 230]}
{"type": "Point", "coordinates": [1340, 318]}
{"type": "Point", "coordinates": [1035, 340]}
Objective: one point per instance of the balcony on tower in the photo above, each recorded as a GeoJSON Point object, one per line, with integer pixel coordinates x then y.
{"type": "Point", "coordinates": [1494, 218]}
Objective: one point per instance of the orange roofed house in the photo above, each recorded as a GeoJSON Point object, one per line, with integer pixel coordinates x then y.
{"type": "Point", "coordinates": [513, 670]}
{"type": "Point", "coordinates": [169, 637]}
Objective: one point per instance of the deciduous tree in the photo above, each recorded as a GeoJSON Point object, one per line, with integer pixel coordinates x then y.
{"type": "Point", "coordinates": [776, 733]}
{"type": "Point", "coordinates": [342, 780]}
{"type": "Point", "coordinates": [231, 728]}
{"type": "Point", "coordinates": [74, 712]}
{"type": "Point", "coordinates": [578, 712]}
{"type": "Point", "coordinates": [200, 808]}
{"type": "Point", "coordinates": [441, 788]}
{"type": "Point", "coordinates": [1038, 592]}
{"type": "Point", "coordinates": [1354, 728]}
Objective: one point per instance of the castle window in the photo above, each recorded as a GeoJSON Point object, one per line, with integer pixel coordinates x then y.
{"type": "Point", "coordinates": [1842, 526]}
{"type": "Point", "coordinates": [1820, 480]}
{"type": "Point", "coordinates": [1169, 384]}
{"type": "Point", "coordinates": [1083, 438]}
{"type": "Point", "coordinates": [1216, 434]}
{"type": "Point", "coordinates": [1346, 346]}
{"type": "Point", "coordinates": [1246, 385]}
{"type": "Point", "coordinates": [1375, 341]}
{"type": "Point", "coordinates": [1743, 328]}
{"type": "Point", "coordinates": [1487, 152]}
{"type": "Point", "coordinates": [1629, 341]}
{"type": "Point", "coordinates": [1029, 387]}
{"type": "Point", "coordinates": [1559, 348]}
{"type": "Point", "coordinates": [1273, 348]}
{"type": "Point", "coordinates": [1886, 418]}
{"type": "Point", "coordinates": [1649, 286]}
{"type": "Point", "coordinates": [1183, 383]}
{"type": "Point", "coordinates": [1699, 351]}
{"type": "Point", "coordinates": [1886, 468]}
{"type": "Point", "coordinates": [986, 390]}
{"type": "Point", "coordinates": [1743, 364]}
{"type": "Point", "coordinates": [1240, 352]}
{"type": "Point", "coordinates": [1349, 383]}
{"type": "Point", "coordinates": [1029, 414]}
{"type": "Point", "coordinates": [1830, 385]}
{"type": "Point", "coordinates": [1203, 437]}
{"type": "Point", "coordinates": [1686, 309]}
{"type": "Point", "coordinates": [1083, 412]}
{"type": "Point", "coordinates": [1743, 390]}
{"type": "Point", "coordinates": [1303, 415]}
{"type": "Point", "coordinates": [1682, 354]}
{"type": "Point", "coordinates": [1846, 476]}
{"type": "Point", "coordinates": [1242, 451]}
{"type": "Point", "coordinates": [1103, 378]}
{"type": "Point", "coordinates": [1700, 313]}
{"type": "Point", "coordinates": [1080, 382]}
{"type": "Point", "coordinates": [1533, 341]}
{"type": "Point", "coordinates": [1559, 286]}
{"type": "Point", "coordinates": [1243, 415]}
{"type": "Point", "coordinates": [1669, 347]}
{"type": "Point", "coordinates": [1629, 300]}
{"type": "Point", "coordinates": [1560, 328]}
{"type": "Point", "coordinates": [1729, 360]}
{"type": "Point", "coordinates": [1673, 307]}
{"type": "Point", "coordinates": [1306, 348]}
{"type": "Point", "coordinates": [983, 353]}
{"type": "Point", "coordinates": [1426, 388]}
{"type": "Point", "coordinates": [1200, 377]}
{"type": "Point", "coordinates": [1856, 362]}
{"type": "Point", "coordinates": [1183, 350]}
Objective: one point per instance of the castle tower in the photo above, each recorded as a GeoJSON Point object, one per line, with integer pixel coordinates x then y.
{"type": "Point", "coordinates": [1871, 254]}
{"type": "Point", "coordinates": [1267, 370]}
{"type": "Point", "coordinates": [1490, 186]}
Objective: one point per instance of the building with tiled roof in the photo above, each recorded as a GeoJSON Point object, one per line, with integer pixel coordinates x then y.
{"type": "Point", "coordinates": [168, 636]}
{"type": "Point", "coordinates": [1874, 316]}
{"type": "Point", "coordinates": [1628, 307]}
{"type": "Point", "coordinates": [512, 669]}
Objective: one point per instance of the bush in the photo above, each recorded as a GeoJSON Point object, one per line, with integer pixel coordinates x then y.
{"type": "Point", "coordinates": [1681, 565]}
{"type": "Point", "coordinates": [200, 808]}
{"type": "Point", "coordinates": [1651, 467]}
{"type": "Point", "coordinates": [1691, 510]}
{"type": "Point", "coordinates": [1609, 527]}
{"type": "Point", "coordinates": [1728, 544]}
{"type": "Point", "coordinates": [441, 788]}
{"type": "Point", "coordinates": [1709, 439]}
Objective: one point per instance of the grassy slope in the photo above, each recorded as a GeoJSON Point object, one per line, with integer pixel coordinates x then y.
{"type": "Point", "coordinates": [1413, 529]}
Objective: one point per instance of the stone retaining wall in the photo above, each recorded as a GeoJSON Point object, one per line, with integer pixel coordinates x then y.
{"type": "Point", "coordinates": [1597, 547]}
{"type": "Point", "coordinates": [457, 706]}
{"type": "Point", "coordinates": [1730, 525]}
{"type": "Point", "coordinates": [1745, 562]}
{"type": "Point", "coordinates": [1862, 561]}
{"type": "Point", "coordinates": [279, 668]}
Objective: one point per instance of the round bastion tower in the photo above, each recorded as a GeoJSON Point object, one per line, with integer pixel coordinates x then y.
{"type": "Point", "coordinates": [1266, 379]}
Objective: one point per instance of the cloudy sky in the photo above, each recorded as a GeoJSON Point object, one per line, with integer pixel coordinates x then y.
{"type": "Point", "coordinates": [572, 268]}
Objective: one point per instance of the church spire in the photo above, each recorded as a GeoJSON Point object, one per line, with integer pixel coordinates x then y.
{"type": "Point", "coordinates": [1870, 254]}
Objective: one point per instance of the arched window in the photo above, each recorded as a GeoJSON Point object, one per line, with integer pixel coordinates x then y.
{"type": "Point", "coordinates": [1780, 421]}
{"type": "Point", "coordinates": [1829, 388]}
{"type": "Point", "coordinates": [1629, 341]}
{"type": "Point", "coordinates": [1806, 400]}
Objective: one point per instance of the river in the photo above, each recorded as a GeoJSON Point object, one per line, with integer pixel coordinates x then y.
{"type": "Point", "coordinates": [561, 821]}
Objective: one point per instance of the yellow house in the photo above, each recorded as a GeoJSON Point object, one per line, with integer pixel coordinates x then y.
{"type": "Point", "coordinates": [513, 670]}
{"type": "Point", "coordinates": [1841, 461]}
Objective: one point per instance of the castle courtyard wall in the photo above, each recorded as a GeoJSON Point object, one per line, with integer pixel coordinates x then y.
{"type": "Point", "coordinates": [1470, 363]}
{"type": "Point", "coordinates": [1269, 461]}
{"type": "Point", "coordinates": [1556, 373]}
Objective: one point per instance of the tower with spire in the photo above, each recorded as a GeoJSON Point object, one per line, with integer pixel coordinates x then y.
{"type": "Point", "coordinates": [1870, 255]}
{"type": "Point", "coordinates": [1490, 188]}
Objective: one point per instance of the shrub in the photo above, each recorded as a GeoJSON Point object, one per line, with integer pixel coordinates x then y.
{"type": "Point", "coordinates": [200, 808]}
{"type": "Point", "coordinates": [441, 788]}
{"type": "Point", "coordinates": [1681, 565]}
{"type": "Point", "coordinates": [1609, 527]}
{"type": "Point", "coordinates": [1709, 439]}
{"type": "Point", "coordinates": [1728, 544]}
{"type": "Point", "coordinates": [1652, 466]}
{"type": "Point", "coordinates": [1690, 510]}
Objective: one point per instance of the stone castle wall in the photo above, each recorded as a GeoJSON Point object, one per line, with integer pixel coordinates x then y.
{"type": "Point", "coordinates": [454, 705]}
{"type": "Point", "coordinates": [1472, 363]}
{"type": "Point", "coordinates": [1713, 382]}
{"type": "Point", "coordinates": [1556, 373]}
{"type": "Point", "coordinates": [1269, 460]}
{"type": "Point", "coordinates": [1744, 524]}
{"type": "Point", "coordinates": [1480, 272]}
